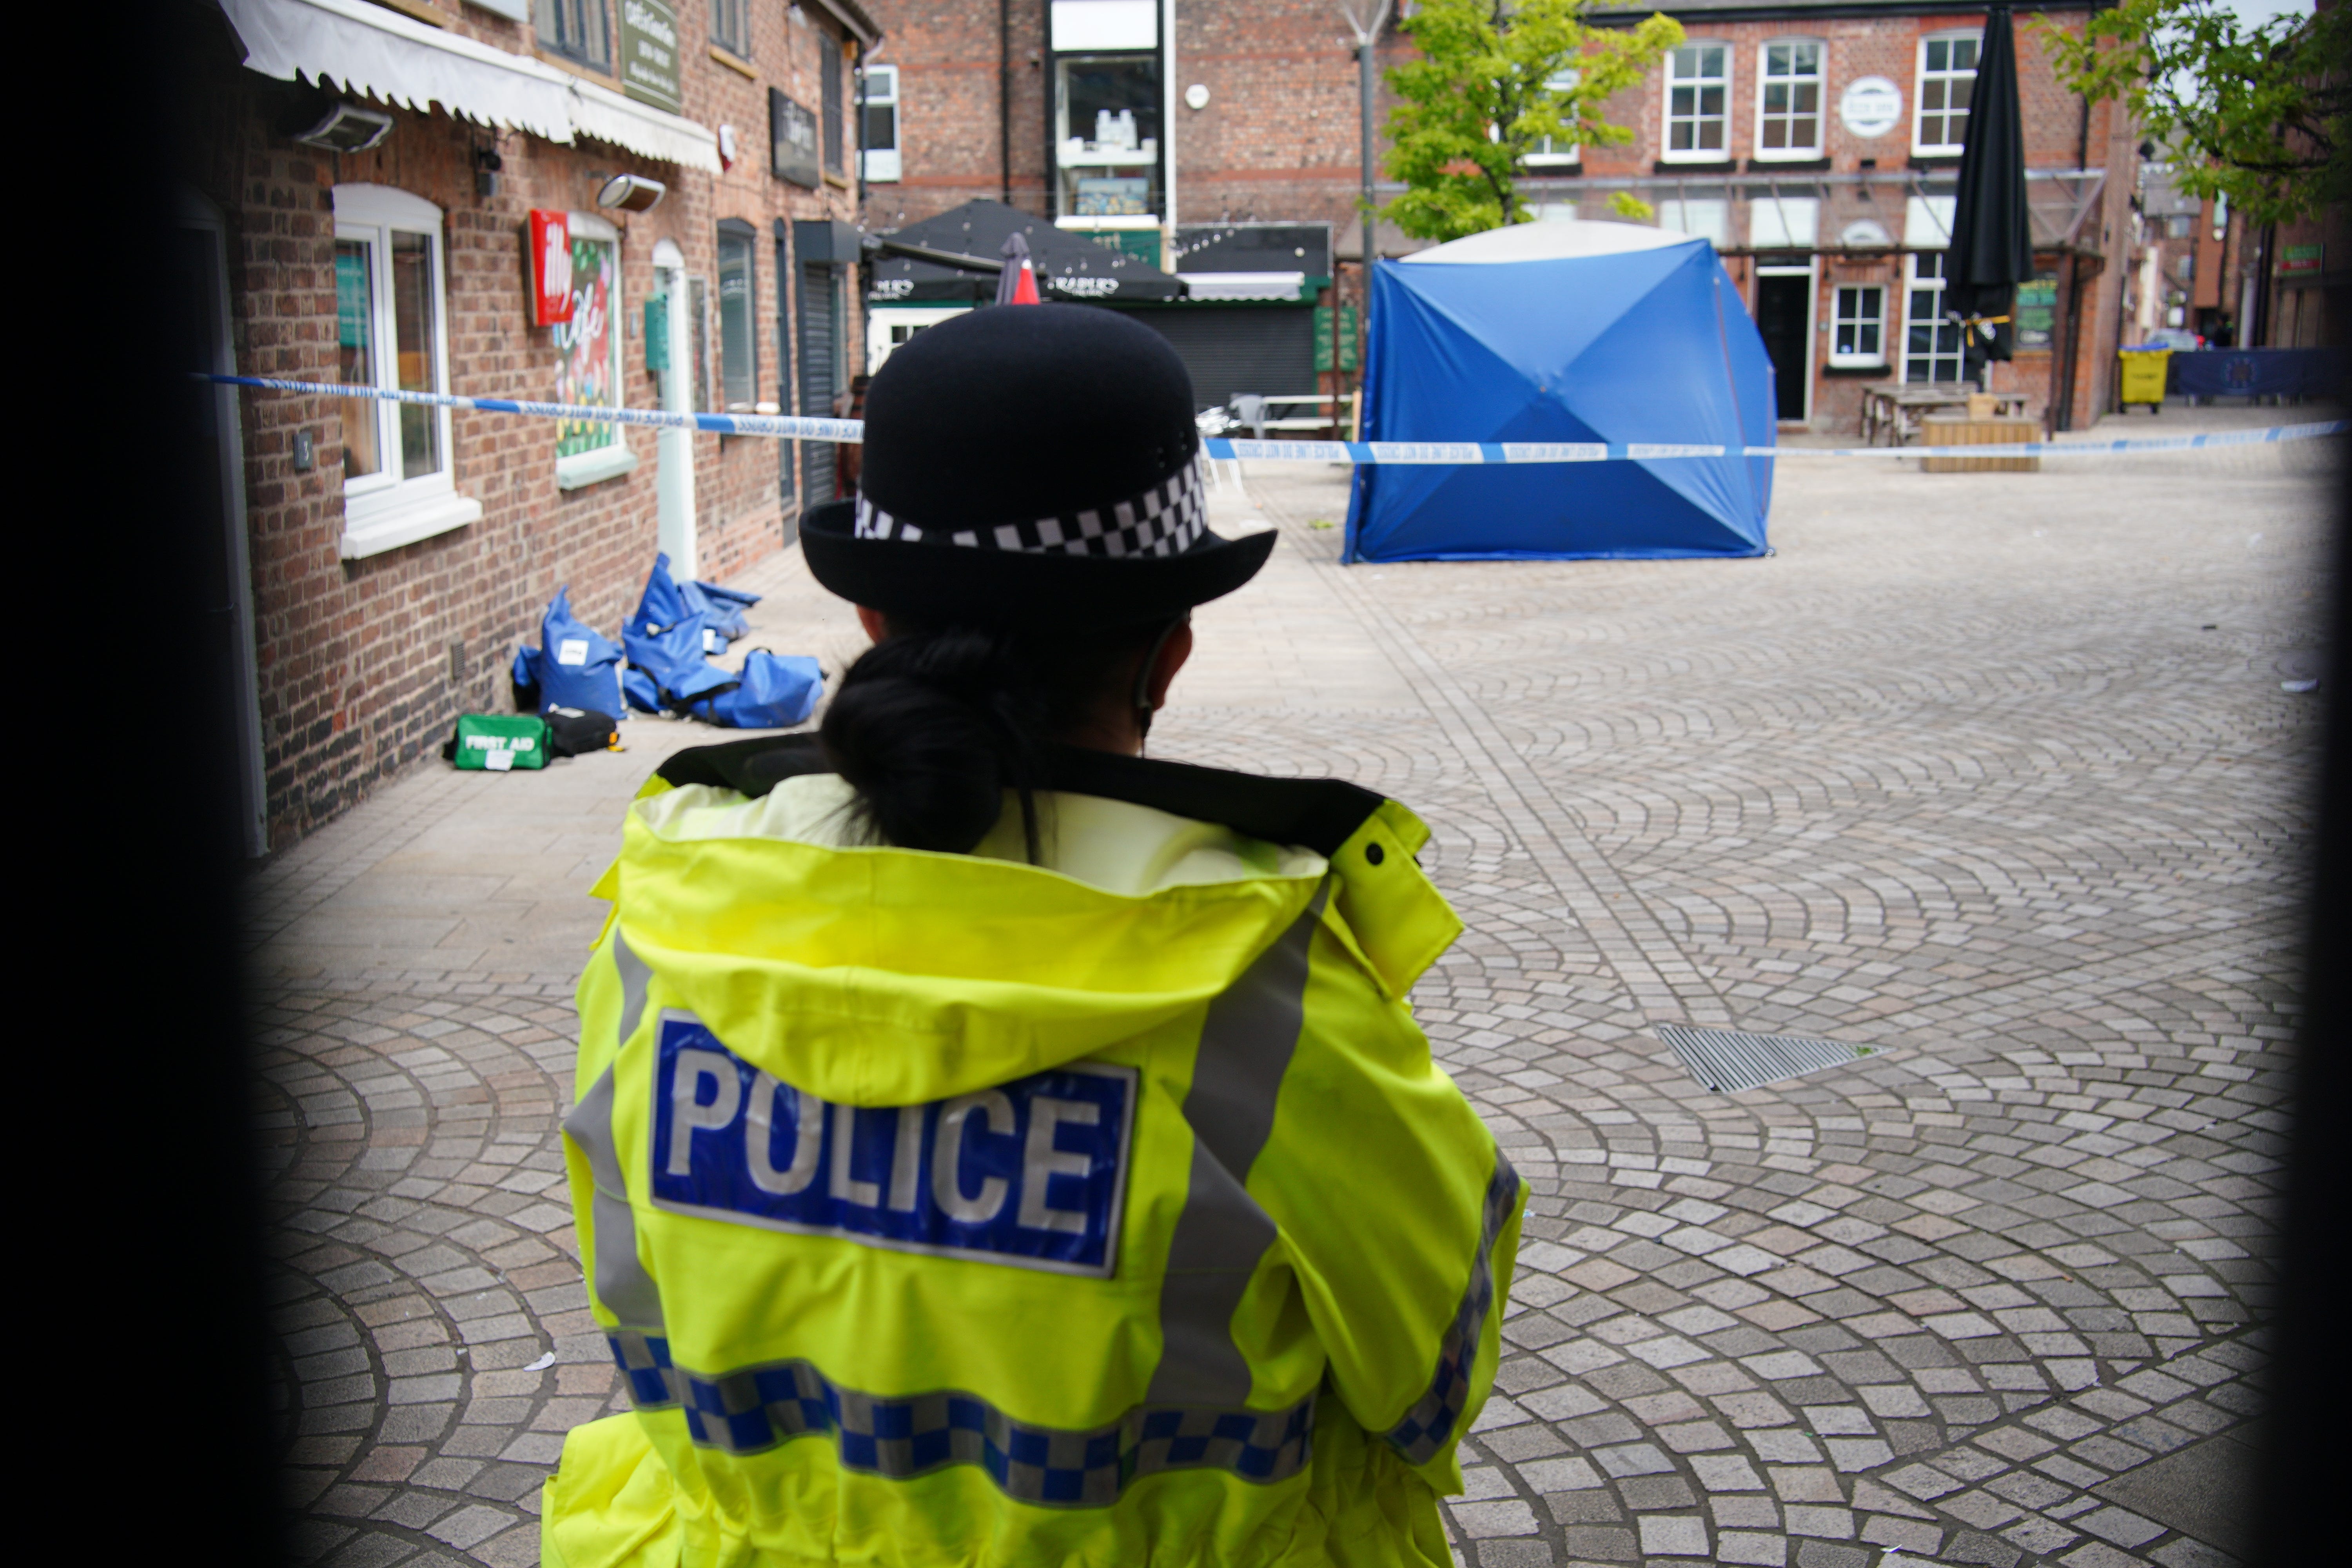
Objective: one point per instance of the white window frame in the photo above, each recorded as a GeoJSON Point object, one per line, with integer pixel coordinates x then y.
{"type": "Point", "coordinates": [1912, 284]}
{"type": "Point", "coordinates": [1819, 77]}
{"type": "Point", "coordinates": [616, 458]}
{"type": "Point", "coordinates": [882, 165]}
{"type": "Point", "coordinates": [1666, 153]}
{"type": "Point", "coordinates": [383, 510]}
{"type": "Point", "coordinates": [881, 342]}
{"type": "Point", "coordinates": [1920, 77]}
{"type": "Point", "coordinates": [1840, 320]}
{"type": "Point", "coordinates": [1546, 153]}
{"type": "Point", "coordinates": [1709, 217]}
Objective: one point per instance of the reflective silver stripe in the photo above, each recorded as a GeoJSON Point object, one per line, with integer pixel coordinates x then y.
{"type": "Point", "coordinates": [756, 1408]}
{"type": "Point", "coordinates": [635, 978]}
{"type": "Point", "coordinates": [1246, 1047]}
{"type": "Point", "coordinates": [1429, 1426]}
{"type": "Point", "coordinates": [627, 1291]}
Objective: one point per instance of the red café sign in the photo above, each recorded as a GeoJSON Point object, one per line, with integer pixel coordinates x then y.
{"type": "Point", "coordinates": [549, 258]}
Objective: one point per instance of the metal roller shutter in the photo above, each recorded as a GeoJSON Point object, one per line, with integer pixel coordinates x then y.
{"type": "Point", "coordinates": [1269, 350]}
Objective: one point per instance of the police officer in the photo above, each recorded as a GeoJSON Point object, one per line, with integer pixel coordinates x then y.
{"type": "Point", "coordinates": [995, 1147]}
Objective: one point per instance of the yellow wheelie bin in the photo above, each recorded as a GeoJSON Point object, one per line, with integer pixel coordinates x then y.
{"type": "Point", "coordinates": [2143, 377]}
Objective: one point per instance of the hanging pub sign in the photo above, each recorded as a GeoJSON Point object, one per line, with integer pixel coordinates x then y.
{"type": "Point", "coordinates": [549, 258]}
{"type": "Point", "coordinates": [792, 137]}
{"type": "Point", "coordinates": [649, 53]}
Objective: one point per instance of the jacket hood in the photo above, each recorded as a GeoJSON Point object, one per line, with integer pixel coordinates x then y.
{"type": "Point", "coordinates": [873, 976]}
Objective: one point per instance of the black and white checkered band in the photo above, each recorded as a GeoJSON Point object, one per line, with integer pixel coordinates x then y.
{"type": "Point", "coordinates": [1165, 519]}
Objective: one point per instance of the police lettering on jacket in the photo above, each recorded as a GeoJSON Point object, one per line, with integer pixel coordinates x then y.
{"type": "Point", "coordinates": [1031, 1173]}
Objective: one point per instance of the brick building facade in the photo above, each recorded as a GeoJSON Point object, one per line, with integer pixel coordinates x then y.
{"type": "Point", "coordinates": [1830, 218]}
{"type": "Point", "coordinates": [395, 565]}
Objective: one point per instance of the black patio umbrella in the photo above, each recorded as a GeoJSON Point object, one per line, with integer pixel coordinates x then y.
{"type": "Point", "coordinates": [1992, 237]}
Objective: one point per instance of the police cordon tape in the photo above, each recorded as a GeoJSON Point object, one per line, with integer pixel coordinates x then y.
{"type": "Point", "coordinates": [1391, 453]}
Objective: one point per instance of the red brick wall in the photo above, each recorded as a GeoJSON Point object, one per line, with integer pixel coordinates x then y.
{"type": "Point", "coordinates": [1278, 139]}
{"type": "Point", "coordinates": [354, 658]}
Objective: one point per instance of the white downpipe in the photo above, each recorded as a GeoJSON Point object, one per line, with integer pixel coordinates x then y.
{"type": "Point", "coordinates": [1168, 128]}
{"type": "Point", "coordinates": [674, 481]}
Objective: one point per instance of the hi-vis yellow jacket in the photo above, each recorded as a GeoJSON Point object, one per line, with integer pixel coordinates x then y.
{"type": "Point", "coordinates": [949, 1210]}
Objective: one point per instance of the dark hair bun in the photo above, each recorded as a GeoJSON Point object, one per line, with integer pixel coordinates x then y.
{"type": "Point", "coordinates": [930, 730]}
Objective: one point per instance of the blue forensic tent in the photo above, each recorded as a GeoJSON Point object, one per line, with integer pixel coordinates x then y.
{"type": "Point", "coordinates": [1579, 331]}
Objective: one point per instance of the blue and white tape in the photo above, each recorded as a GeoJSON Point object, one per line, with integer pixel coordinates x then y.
{"type": "Point", "coordinates": [784, 427]}
{"type": "Point", "coordinates": [1451, 454]}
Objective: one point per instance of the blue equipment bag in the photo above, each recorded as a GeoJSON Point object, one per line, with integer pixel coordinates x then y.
{"type": "Point", "coordinates": [776, 691]}
{"type": "Point", "coordinates": [727, 606]}
{"type": "Point", "coordinates": [639, 688]}
{"type": "Point", "coordinates": [574, 666]}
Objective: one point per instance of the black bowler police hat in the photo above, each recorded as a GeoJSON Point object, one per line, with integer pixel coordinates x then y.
{"type": "Point", "coordinates": [1030, 466]}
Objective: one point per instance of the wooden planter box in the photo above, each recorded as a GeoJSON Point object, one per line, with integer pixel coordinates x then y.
{"type": "Point", "coordinates": [1960, 430]}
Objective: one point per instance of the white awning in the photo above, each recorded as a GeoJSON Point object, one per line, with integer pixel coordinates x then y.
{"type": "Point", "coordinates": [365, 48]}
{"type": "Point", "coordinates": [1243, 284]}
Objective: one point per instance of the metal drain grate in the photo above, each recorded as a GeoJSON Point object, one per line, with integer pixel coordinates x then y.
{"type": "Point", "coordinates": [1727, 1061]}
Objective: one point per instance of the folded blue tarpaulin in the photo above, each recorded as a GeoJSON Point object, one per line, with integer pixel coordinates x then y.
{"type": "Point", "coordinates": [775, 691]}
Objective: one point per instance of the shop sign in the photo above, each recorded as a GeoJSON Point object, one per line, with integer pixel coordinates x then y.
{"type": "Point", "coordinates": [548, 258]}
{"type": "Point", "coordinates": [2302, 257]}
{"type": "Point", "coordinates": [2036, 309]}
{"type": "Point", "coordinates": [649, 53]}
{"type": "Point", "coordinates": [791, 138]}
{"type": "Point", "coordinates": [1327, 332]}
{"type": "Point", "coordinates": [1872, 107]}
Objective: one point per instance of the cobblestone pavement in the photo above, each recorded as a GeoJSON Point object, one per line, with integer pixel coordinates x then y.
{"type": "Point", "coordinates": [1989, 776]}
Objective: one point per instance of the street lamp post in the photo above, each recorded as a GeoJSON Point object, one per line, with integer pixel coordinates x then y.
{"type": "Point", "coordinates": [1367, 35]}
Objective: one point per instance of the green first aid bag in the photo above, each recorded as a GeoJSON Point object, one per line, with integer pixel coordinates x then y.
{"type": "Point", "coordinates": [497, 742]}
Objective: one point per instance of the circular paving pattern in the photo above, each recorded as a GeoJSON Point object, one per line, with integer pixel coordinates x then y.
{"type": "Point", "coordinates": [2002, 815]}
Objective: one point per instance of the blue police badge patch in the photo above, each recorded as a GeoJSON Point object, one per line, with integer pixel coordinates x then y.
{"type": "Point", "coordinates": [1031, 1173]}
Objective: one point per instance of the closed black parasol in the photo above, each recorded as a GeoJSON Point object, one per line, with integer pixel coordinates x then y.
{"type": "Point", "coordinates": [1993, 242]}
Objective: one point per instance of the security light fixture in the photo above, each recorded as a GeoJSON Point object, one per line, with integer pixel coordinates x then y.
{"type": "Point", "coordinates": [632, 193]}
{"type": "Point", "coordinates": [347, 128]}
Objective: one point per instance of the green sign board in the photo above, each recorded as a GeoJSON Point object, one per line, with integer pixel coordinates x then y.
{"type": "Point", "coordinates": [1335, 349]}
{"type": "Point", "coordinates": [649, 53]}
{"type": "Point", "coordinates": [2036, 310]}
{"type": "Point", "coordinates": [2302, 257]}
{"type": "Point", "coordinates": [657, 332]}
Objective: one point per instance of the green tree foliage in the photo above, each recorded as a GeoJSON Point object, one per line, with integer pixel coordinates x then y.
{"type": "Point", "coordinates": [2257, 114]}
{"type": "Point", "coordinates": [1481, 96]}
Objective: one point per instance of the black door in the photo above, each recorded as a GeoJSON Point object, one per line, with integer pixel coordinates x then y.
{"type": "Point", "coordinates": [820, 348]}
{"type": "Point", "coordinates": [1783, 313]}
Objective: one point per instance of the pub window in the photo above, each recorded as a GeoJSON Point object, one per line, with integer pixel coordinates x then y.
{"type": "Point", "coordinates": [738, 366]}
{"type": "Point", "coordinates": [878, 124]}
{"type": "Point", "coordinates": [1788, 100]}
{"type": "Point", "coordinates": [731, 26]}
{"type": "Point", "coordinates": [1698, 89]}
{"type": "Point", "coordinates": [577, 29]}
{"type": "Point", "coordinates": [1546, 151]}
{"type": "Point", "coordinates": [1106, 135]}
{"type": "Point", "coordinates": [390, 334]}
{"type": "Point", "coordinates": [1858, 327]}
{"type": "Point", "coordinates": [1948, 74]}
{"type": "Point", "coordinates": [1931, 345]}
{"type": "Point", "coordinates": [828, 51]}
{"type": "Point", "coordinates": [588, 357]}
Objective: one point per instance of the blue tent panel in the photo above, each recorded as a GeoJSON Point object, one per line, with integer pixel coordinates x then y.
{"type": "Point", "coordinates": [1649, 344]}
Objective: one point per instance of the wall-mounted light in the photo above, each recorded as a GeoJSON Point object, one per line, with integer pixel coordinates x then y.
{"type": "Point", "coordinates": [347, 128]}
{"type": "Point", "coordinates": [632, 193]}
{"type": "Point", "coordinates": [1197, 96]}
